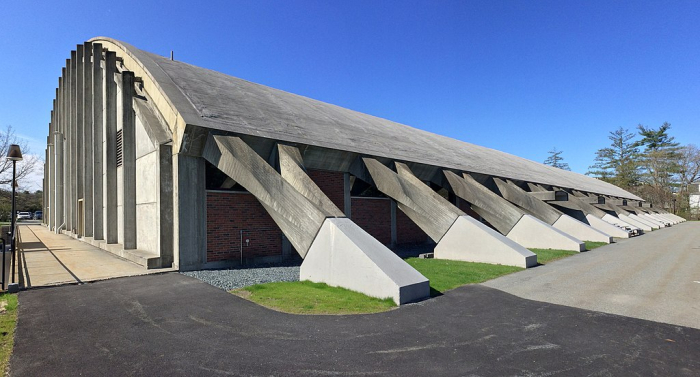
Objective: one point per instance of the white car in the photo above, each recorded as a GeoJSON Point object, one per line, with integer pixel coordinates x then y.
{"type": "Point", "coordinates": [23, 216]}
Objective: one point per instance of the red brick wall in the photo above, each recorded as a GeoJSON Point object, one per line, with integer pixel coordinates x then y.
{"type": "Point", "coordinates": [228, 214]}
{"type": "Point", "coordinates": [407, 232]}
{"type": "Point", "coordinates": [332, 184]}
{"type": "Point", "coordinates": [374, 216]}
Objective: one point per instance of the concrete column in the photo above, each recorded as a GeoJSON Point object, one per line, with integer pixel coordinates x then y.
{"type": "Point", "coordinates": [72, 152]}
{"type": "Point", "coordinates": [165, 203]}
{"type": "Point", "coordinates": [189, 206]}
{"type": "Point", "coordinates": [79, 144]}
{"type": "Point", "coordinates": [128, 160]}
{"type": "Point", "coordinates": [347, 199]}
{"type": "Point", "coordinates": [97, 142]}
{"type": "Point", "coordinates": [58, 213]}
{"type": "Point", "coordinates": [110, 130]}
{"type": "Point", "coordinates": [88, 139]}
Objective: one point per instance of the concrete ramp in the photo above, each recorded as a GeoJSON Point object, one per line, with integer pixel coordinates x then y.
{"type": "Point", "coordinates": [344, 255]}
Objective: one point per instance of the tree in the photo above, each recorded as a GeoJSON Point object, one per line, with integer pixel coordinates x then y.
{"type": "Point", "coordinates": [618, 163]}
{"type": "Point", "coordinates": [556, 160]}
{"type": "Point", "coordinates": [660, 162]}
{"type": "Point", "coordinates": [688, 172]}
{"type": "Point", "coordinates": [24, 168]}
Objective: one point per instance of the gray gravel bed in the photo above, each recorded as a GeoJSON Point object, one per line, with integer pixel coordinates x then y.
{"type": "Point", "coordinates": [239, 278]}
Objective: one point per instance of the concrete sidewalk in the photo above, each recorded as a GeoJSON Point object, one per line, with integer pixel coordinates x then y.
{"type": "Point", "coordinates": [49, 259]}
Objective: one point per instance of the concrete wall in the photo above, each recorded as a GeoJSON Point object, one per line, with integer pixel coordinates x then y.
{"type": "Point", "coordinates": [147, 187]}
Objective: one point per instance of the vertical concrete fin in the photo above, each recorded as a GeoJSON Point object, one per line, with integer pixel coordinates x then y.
{"type": "Point", "coordinates": [98, 142]}
{"type": "Point", "coordinates": [292, 170]}
{"type": "Point", "coordinates": [128, 161]}
{"type": "Point", "coordinates": [344, 255]}
{"type": "Point", "coordinates": [88, 133]}
{"type": "Point", "coordinates": [298, 218]}
{"type": "Point", "coordinates": [110, 135]}
{"type": "Point", "coordinates": [430, 211]}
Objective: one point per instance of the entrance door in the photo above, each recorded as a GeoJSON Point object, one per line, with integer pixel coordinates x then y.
{"type": "Point", "coordinates": [81, 218]}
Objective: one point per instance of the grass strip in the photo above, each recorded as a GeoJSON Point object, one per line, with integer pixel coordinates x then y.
{"type": "Point", "coordinates": [8, 322]}
{"type": "Point", "coordinates": [545, 256]}
{"type": "Point", "coordinates": [305, 297]}
{"type": "Point", "coordinates": [448, 274]}
{"type": "Point", "coordinates": [590, 245]}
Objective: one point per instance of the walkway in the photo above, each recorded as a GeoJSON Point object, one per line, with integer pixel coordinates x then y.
{"type": "Point", "coordinates": [54, 259]}
{"type": "Point", "coordinates": [174, 325]}
{"type": "Point", "coordinates": [655, 277]}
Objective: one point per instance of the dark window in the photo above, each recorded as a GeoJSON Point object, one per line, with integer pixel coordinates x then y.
{"type": "Point", "coordinates": [217, 180]}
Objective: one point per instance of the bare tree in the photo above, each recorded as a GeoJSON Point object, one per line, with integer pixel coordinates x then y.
{"type": "Point", "coordinates": [24, 168]}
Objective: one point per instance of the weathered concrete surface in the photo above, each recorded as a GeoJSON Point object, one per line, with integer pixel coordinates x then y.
{"type": "Point", "coordinates": [344, 255]}
{"type": "Point", "coordinates": [533, 233]}
{"type": "Point", "coordinates": [471, 241]}
{"type": "Point", "coordinates": [511, 221]}
{"type": "Point", "coordinates": [212, 100]}
{"type": "Point", "coordinates": [298, 218]}
{"type": "Point", "coordinates": [606, 227]}
{"type": "Point", "coordinates": [571, 226]}
{"type": "Point", "coordinates": [174, 325]}
{"type": "Point", "coordinates": [548, 214]}
{"type": "Point", "coordinates": [431, 212]}
{"type": "Point", "coordinates": [292, 170]}
{"type": "Point", "coordinates": [652, 277]}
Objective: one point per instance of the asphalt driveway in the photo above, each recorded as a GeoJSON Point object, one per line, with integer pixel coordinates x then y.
{"type": "Point", "coordinates": [178, 326]}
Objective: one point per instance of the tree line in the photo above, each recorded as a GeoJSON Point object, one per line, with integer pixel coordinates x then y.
{"type": "Point", "coordinates": [648, 163]}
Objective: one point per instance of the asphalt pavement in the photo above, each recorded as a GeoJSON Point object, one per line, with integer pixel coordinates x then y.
{"type": "Point", "coordinates": [175, 325]}
{"type": "Point", "coordinates": [655, 276]}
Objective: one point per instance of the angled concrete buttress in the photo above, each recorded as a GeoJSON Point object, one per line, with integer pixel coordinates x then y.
{"type": "Point", "coordinates": [642, 215]}
{"type": "Point", "coordinates": [511, 221]}
{"type": "Point", "coordinates": [613, 218]}
{"type": "Point", "coordinates": [458, 236]}
{"type": "Point", "coordinates": [548, 214]}
{"type": "Point", "coordinates": [335, 250]}
{"type": "Point", "coordinates": [592, 215]}
{"type": "Point", "coordinates": [628, 217]}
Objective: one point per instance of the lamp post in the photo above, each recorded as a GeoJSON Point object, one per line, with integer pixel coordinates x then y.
{"type": "Point", "coordinates": [14, 154]}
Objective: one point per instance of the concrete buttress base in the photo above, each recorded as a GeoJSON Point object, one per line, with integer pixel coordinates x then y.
{"type": "Point", "coordinates": [571, 226]}
{"type": "Point", "coordinates": [635, 222]}
{"type": "Point", "coordinates": [606, 227]}
{"type": "Point", "coordinates": [344, 255]}
{"type": "Point", "coordinates": [610, 219]}
{"type": "Point", "coordinates": [471, 241]}
{"type": "Point", "coordinates": [533, 233]}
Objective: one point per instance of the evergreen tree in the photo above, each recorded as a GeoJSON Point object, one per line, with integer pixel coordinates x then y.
{"type": "Point", "coordinates": [618, 163]}
{"type": "Point", "coordinates": [556, 160]}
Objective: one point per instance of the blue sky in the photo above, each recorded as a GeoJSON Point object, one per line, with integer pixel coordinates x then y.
{"type": "Point", "coordinates": [517, 76]}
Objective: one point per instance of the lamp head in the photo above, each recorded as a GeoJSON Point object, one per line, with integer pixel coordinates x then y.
{"type": "Point", "coordinates": [14, 153]}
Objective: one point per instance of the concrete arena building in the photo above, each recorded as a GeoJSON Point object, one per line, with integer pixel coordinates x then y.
{"type": "Point", "coordinates": [168, 164]}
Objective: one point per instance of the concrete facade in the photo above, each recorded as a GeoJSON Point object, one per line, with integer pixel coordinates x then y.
{"type": "Point", "coordinates": [165, 164]}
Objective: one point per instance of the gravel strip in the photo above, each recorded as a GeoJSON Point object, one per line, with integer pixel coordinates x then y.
{"type": "Point", "coordinates": [239, 278]}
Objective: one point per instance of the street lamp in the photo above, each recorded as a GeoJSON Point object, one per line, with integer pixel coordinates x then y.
{"type": "Point", "coordinates": [14, 154]}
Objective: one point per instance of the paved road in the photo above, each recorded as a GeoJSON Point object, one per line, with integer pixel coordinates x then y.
{"type": "Point", "coordinates": [655, 276]}
{"type": "Point", "coordinates": [178, 326]}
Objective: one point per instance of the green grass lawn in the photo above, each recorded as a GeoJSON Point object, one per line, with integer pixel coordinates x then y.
{"type": "Point", "coordinates": [8, 321]}
{"type": "Point", "coordinates": [305, 297]}
{"type": "Point", "coordinates": [590, 245]}
{"type": "Point", "coordinates": [448, 274]}
{"type": "Point", "coordinates": [545, 256]}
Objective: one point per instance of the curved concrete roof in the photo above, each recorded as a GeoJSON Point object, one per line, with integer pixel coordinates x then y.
{"type": "Point", "coordinates": [190, 95]}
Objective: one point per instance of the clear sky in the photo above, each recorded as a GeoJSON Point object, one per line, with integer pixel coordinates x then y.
{"type": "Point", "coordinates": [517, 76]}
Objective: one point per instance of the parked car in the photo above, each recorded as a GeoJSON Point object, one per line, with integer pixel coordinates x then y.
{"type": "Point", "coordinates": [23, 216]}
{"type": "Point", "coordinates": [38, 215]}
